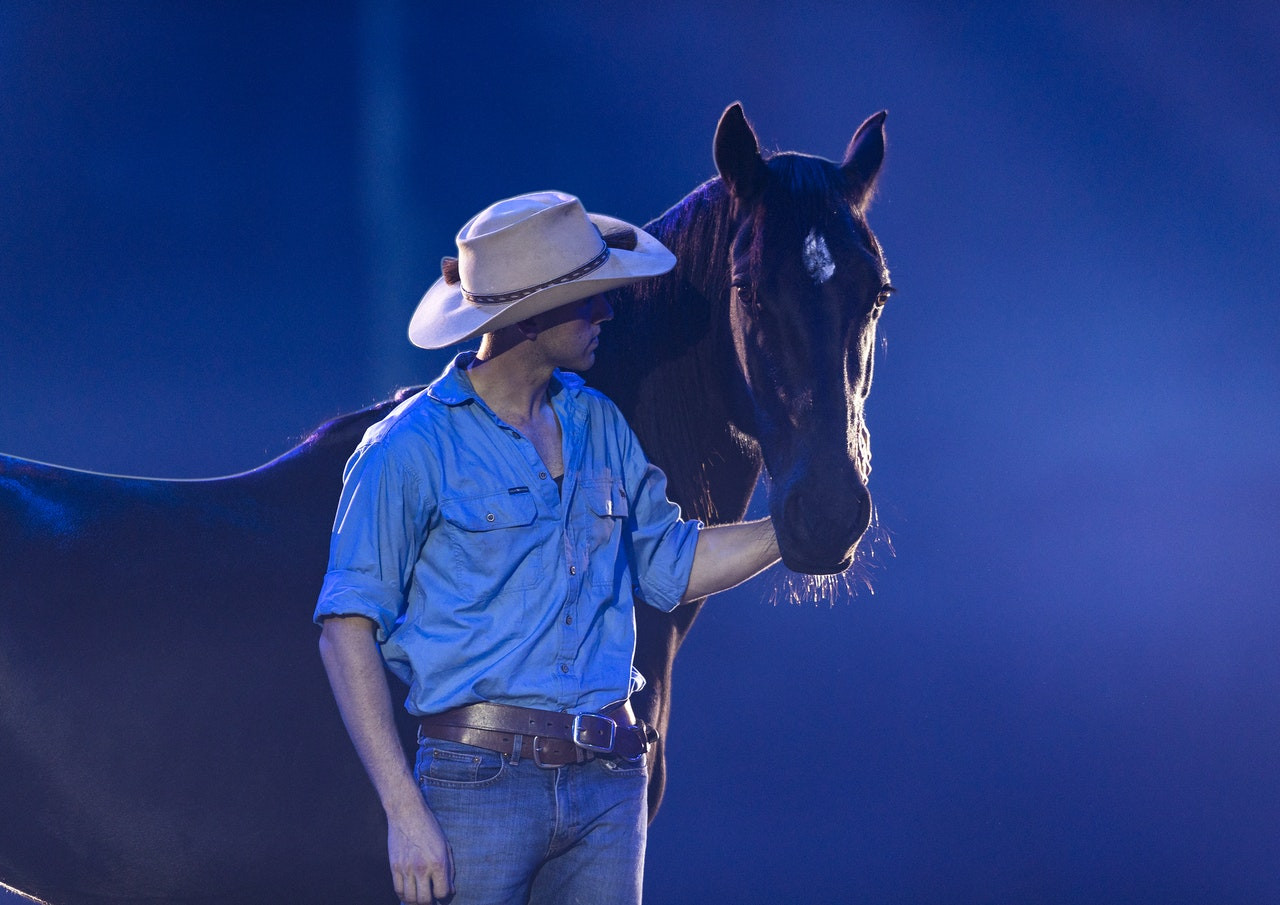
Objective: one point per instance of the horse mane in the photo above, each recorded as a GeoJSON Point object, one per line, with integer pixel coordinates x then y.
{"type": "Point", "coordinates": [656, 364]}
{"type": "Point", "coordinates": [697, 228]}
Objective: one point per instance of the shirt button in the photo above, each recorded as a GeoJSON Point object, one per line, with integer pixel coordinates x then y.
{"type": "Point", "coordinates": [573, 570]}
{"type": "Point", "coordinates": [564, 667]}
{"type": "Point", "coordinates": [543, 475]}
{"type": "Point", "coordinates": [488, 517]}
{"type": "Point", "coordinates": [568, 620]}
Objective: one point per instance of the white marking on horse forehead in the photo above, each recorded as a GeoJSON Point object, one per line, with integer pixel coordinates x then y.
{"type": "Point", "coordinates": [817, 257]}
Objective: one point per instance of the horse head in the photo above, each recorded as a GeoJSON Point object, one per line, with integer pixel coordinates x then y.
{"type": "Point", "coordinates": [808, 283]}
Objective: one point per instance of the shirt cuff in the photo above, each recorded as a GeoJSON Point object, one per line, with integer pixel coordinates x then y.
{"type": "Point", "coordinates": [347, 593]}
{"type": "Point", "coordinates": [664, 589]}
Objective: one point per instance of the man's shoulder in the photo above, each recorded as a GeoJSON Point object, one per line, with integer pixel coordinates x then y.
{"type": "Point", "coordinates": [592, 396]}
{"type": "Point", "coordinates": [602, 411]}
{"type": "Point", "coordinates": [587, 395]}
{"type": "Point", "coordinates": [413, 418]}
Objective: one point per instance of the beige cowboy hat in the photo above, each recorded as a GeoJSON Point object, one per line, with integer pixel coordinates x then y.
{"type": "Point", "coordinates": [526, 255]}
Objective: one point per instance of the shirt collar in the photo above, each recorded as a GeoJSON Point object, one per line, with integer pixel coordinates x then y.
{"type": "Point", "coordinates": [453, 387]}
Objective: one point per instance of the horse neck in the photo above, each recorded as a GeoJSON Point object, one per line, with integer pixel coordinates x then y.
{"type": "Point", "coordinates": [668, 361]}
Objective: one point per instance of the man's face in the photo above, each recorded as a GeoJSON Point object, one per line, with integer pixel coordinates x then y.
{"type": "Point", "coordinates": [568, 335]}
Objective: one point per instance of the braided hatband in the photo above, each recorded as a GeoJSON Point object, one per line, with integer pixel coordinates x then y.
{"type": "Point", "coordinates": [594, 264]}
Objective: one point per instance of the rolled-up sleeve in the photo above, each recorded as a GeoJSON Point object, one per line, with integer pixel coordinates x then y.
{"type": "Point", "coordinates": [662, 543]}
{"type": "Point", "coordinates": [377, 532]}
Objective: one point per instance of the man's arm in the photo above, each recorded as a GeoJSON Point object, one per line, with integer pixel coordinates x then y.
{"type": "Point", "coordinates": [728, 555]}
{"type": "Point", "coordinates": [421, 863]}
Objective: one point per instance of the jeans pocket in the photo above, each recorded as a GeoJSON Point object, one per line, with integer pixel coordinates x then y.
{"type": "Point", "coordinates": [621, 767]}
{"type": "Point", "coordinates": [451, 765]}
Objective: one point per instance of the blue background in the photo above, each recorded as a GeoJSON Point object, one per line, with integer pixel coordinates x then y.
{"type": "Point", "coordinates": [215, 220]}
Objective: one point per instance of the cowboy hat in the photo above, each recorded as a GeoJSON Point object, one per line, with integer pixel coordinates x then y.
{"type": "Point", "coordinates": [526, 255]}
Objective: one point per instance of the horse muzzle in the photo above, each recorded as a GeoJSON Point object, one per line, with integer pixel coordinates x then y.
{"type": "Point", "coordinates": [818, 532]}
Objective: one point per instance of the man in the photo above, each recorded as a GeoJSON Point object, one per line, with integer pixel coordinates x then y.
{"type": "Point", "coordinates": [493, 536]}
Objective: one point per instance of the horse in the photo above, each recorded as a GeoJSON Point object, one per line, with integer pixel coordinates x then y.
{"type": "Point", "coordinates": [756, 350]}
{"type": "Point", "coordinates": [166, 729]}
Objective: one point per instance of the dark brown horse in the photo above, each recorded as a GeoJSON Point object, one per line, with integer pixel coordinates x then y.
{"type": "Point", "coordinates": [756, 349]}
{"type": "Point", "coordinates": [166, 730]}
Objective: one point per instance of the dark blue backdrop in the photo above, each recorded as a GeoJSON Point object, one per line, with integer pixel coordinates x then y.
{"type": "Point", "coordinates": [215, 220]}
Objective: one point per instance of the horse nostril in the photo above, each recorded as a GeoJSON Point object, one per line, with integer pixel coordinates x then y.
{"type": "Point", "coordinates": [827, 518]}
{"type": "Point", "coordinates": [807, 520]}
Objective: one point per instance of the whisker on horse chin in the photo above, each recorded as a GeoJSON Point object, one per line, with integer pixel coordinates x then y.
{"type": "Point", "coordinates": [798, 589]}
{"type": "Point", "coordinates": [747, 443]}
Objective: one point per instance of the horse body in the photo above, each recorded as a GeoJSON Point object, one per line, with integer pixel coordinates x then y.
{"type": "Point", "coordinates": [166, 729]}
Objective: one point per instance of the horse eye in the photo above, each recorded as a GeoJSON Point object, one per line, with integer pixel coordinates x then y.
{"type": "Point", "coordinates": [745, 294]}
{"type": "Point", "coordinates": [884, 295]}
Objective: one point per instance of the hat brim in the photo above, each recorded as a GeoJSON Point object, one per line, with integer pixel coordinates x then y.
{"type": "Point", "coordinates": [444, 318]}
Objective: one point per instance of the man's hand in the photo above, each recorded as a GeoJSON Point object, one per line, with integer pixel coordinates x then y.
{"type": "Point", "coordinates": [421, 862]}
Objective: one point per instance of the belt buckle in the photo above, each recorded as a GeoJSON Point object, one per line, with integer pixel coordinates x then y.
{"type": "Point", "coordinates": [579, 730]}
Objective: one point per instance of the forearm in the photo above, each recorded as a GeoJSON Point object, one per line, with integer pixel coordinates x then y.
{"type": "Point", "coordinates": [728, 555]}
{"type": "Point", "coordinates": [359, 684]}
{"type": "Point", "coordinates": [421, 863]}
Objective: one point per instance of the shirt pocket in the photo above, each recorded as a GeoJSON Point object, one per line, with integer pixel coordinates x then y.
{"type": "Point", "coordinates": [607, 509]}
{"type": "Point", "coordinates": [496, 543]}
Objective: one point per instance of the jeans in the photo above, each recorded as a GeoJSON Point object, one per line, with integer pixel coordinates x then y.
{"type": "Point", "coordinates": [524, 834]}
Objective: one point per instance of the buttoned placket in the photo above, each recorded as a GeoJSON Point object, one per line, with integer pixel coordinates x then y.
{"type": "Point", "coordinates": [573, 428]}
{"type": "Point", "coordinates": [559, 500]}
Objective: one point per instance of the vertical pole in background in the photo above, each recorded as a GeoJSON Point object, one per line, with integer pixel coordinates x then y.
{"type": "Point", "coordinates": [388, 224]}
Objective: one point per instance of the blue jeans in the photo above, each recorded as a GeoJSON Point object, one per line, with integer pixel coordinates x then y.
{"type": "Point", "coordinates": [524, 834]}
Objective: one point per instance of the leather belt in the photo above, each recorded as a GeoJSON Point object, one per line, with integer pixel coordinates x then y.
{"type": "Point", "coordinates": [552, 737]}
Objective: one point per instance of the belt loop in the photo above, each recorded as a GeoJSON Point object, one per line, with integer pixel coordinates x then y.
{"type": "Point", "coordinates": [516, 744]}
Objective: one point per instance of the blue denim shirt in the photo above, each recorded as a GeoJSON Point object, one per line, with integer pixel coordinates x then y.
{"type": "Point", "coordinates": [487, 583]}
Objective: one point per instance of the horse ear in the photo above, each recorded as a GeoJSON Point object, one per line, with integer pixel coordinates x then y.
{"type": "Point", "coordinates": [863, 157]}
{"type": "Point", "coordinates": [737, 154]}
